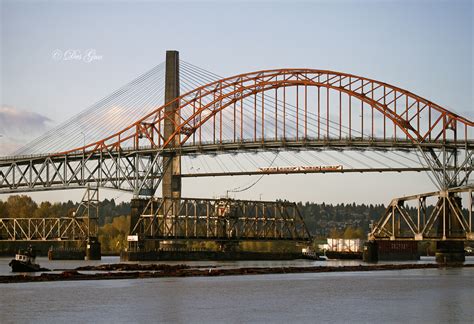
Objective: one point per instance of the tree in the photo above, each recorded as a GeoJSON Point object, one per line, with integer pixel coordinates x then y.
{"type": "Point", "coordinates": [335, 233]}
{"type": "Point", "coordinates": [44, 210]}
{"type": "Point", "coordinates": [113, 236]}
{"type": "Point", "coordinates": [353, 233]}
{"type": "Point", "coordinates": [3, 209]}
{"type": "Point", "coordinates": [21, 206]}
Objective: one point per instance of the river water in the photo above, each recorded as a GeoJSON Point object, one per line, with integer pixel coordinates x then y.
{"type": "Point", "coordinates": [412, 296]}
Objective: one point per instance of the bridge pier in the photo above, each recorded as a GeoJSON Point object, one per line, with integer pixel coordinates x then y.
{"type": "Point", "coordinates": [93, 251]}
{"type": "Point", "coordinates": [390, 250]}
{"type": "Point", "coordinates": [450, 252]}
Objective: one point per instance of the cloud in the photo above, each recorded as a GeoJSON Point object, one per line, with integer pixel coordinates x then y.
{"type": "Point", "coordinates": [17, 127]}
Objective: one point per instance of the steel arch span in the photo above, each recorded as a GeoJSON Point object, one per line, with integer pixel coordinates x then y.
{"type": "Point", "coordinates": [400, 110]}
{"type": "Point", "coordinates": [270, 109]}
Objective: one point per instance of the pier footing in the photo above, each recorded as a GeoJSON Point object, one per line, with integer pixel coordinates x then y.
{"type": "Point", "coordinates": [93, 249]}
{"type": "Point", "coordinates": [385, 250]}
{"type": "Point", "coordinates": [450, 252]}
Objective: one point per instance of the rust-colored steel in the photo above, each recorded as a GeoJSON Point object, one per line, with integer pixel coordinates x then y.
{"type": "Point", "coordinates": [211, 100]}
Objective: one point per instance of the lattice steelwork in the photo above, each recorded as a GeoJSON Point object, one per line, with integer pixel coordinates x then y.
{"type": "Point", "coordinates": [220, 219]}
{"type": "Point", "coordinates": [133, 171]}
{"type": "Point", "coordinates": [446, 220]}
{"type": "Point", "coordinates": [44, 229]}
{"type": "Point", "coordinates": [82, 226]}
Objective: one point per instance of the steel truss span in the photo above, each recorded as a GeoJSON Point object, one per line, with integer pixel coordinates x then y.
{"type": "Point", "coordinates": [44, 229]}
{"type": "Point", "coordinates": [220, 219]}
{"type": "Point", "coordinates": [79, 227]}
{"type": "Point", "coordinates": [446, 220]}
{"type": "Point", "coordinates": [258, 111]}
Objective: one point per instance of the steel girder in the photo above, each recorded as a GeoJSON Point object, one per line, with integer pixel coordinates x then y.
{"type": "Point", "coordinates": [130, 171]}
{"type": "Point", "coordinates": [139, 171]}
{"type": "Point", "coordinates": [446, 220]}
{"type": "Point", "coordinates": [220, 219]}
{"type": "Point", "coordinates": [44, 229]}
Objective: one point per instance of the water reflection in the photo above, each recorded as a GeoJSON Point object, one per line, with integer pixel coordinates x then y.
{"type": "Point", "coordinates": [422, 295]}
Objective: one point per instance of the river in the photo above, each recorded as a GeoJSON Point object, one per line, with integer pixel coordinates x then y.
{"type": "Point", "coordinates": [411, 296]}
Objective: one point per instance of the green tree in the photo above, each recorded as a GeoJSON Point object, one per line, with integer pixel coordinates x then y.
{"type": "Point", "coordinates": [3, 209]}
{"type": "Point", "coordinates": [113, 236]}
{"type": "Point", "coordinates": [21, 206]}
{"type": "Point", "coordinates": [335, 233]}
{"type": "Point", "coordinates": [353, 233]}
{"type": "Point", "coordinates": [44, 210]}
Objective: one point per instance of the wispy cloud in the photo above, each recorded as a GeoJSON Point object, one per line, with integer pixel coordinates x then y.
{"type": "Point", "coordinates": [17, 127]}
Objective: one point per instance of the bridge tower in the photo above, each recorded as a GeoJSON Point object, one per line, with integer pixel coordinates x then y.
{"type": "Point", "coordinates": [171, 178]}
{"type": "Point", "coordinates": [171, 181]}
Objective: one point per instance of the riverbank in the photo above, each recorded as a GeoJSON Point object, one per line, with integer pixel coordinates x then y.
{"type": "Point", "coordinates": [138, 271]}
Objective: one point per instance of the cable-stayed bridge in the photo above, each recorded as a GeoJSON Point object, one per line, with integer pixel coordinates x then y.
{"type": "Point", "coordinates": [179, 120]}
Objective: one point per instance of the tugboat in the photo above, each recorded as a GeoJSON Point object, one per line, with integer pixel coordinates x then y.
{"type": "Point", "coordinates": [25, 261]}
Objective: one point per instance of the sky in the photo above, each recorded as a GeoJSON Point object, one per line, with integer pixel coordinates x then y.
{"type": "Point", "coordinates": [423, 46]}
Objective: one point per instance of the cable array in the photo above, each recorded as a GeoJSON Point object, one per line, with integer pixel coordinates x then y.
{"type": "Point", "coordinates": [107, 116]}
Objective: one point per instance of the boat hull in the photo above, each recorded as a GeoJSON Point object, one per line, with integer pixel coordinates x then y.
{"type": "Point", "coordinates": [18, 266]}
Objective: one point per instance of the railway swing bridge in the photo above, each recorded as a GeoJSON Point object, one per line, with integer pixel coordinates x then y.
{"type": "Point", "coordinates": [330, 122]}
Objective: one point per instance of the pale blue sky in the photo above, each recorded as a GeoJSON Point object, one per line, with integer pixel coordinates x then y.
{"type": "Point", "coordinates": [423, 46]}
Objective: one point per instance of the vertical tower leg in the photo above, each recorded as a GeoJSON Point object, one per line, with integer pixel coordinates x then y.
{"type": "Point", "coordinates": [171, 183]}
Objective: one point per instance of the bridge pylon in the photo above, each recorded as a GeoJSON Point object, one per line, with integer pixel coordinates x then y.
{"type": "Point", "coordinates": [171, 181]}
{"type": "Point", "coordinates": [171, 161]}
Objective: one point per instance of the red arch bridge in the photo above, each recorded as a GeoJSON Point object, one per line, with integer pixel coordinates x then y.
{"type": "Point", "coordinates": [178, 120]}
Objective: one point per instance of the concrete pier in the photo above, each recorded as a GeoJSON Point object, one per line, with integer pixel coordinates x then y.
{"type": "Point", "coordinates": [450, 252]}
{"type": "Point", "coordinates": [93, 249]}
{"type": "Point", "coordinates": [390, 250]}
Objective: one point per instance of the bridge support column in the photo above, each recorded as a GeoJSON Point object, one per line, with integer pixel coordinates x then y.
{"type": "Point", "coordinates": [390, 250]}
{"type": "Point", "coordinates": [370, 253]}
{"type": "Point", "coordinates": [171, 183]}
{"type": "Point", "coordinates": [93, 249]}
{"type": "Point", "coordinates": [450, 252]}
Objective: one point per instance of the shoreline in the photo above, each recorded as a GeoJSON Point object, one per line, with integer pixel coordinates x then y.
{"type": "Point", "coordinates": [136, 271]}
